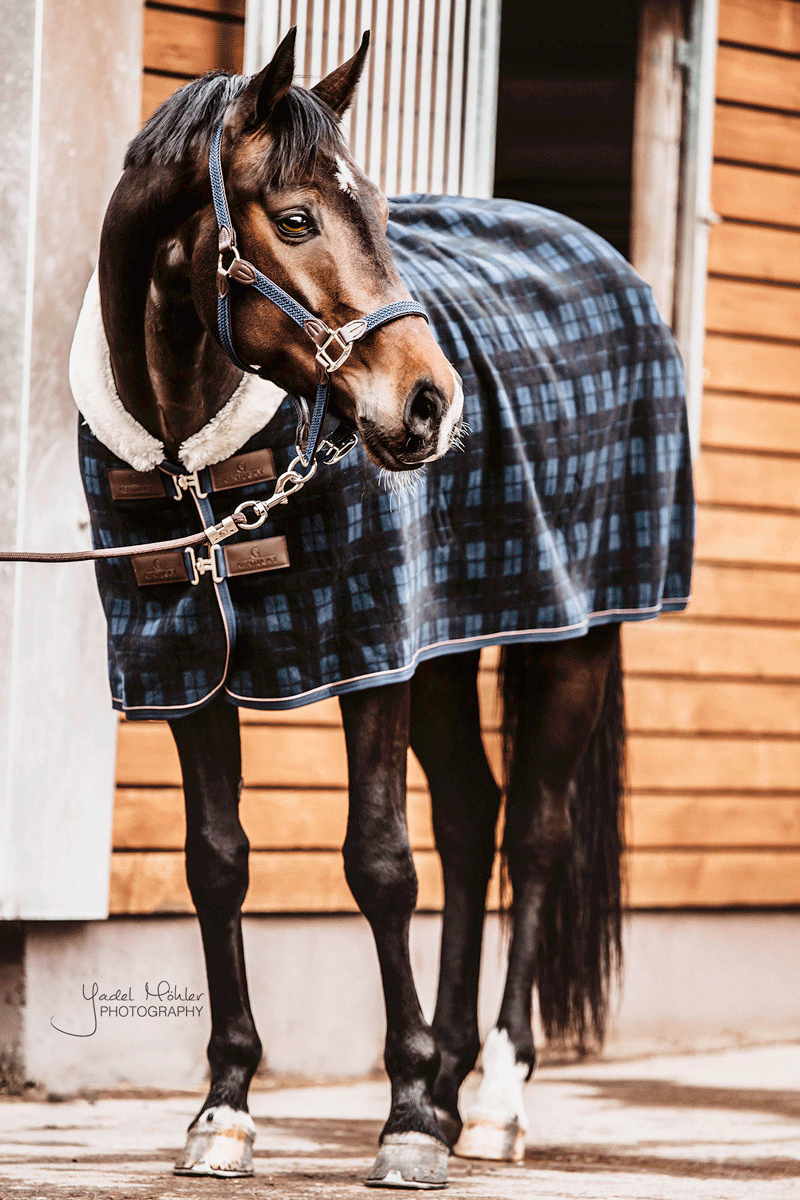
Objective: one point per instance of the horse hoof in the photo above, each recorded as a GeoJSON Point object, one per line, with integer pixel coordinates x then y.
{"type": "Point", "coordinates": [219, 1142]}
{"type": "Point", "coordinates": [493, 1140]}
{"type": "Point", "coordinates": [450, 1125]}
{"type": "Point", "coordinates": [410, 1160]}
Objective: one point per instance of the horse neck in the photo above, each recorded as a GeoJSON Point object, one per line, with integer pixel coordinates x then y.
{"type": "Point", "coordinates": [169, 372]}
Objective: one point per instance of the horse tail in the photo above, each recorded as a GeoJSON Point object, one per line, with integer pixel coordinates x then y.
{"type": "Point", "coordinates": [580, 944]}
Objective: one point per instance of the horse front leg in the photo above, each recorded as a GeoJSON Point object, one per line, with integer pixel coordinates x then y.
{"type": "Point", "coordinates": [220, 1139]}
{"type": "Point", "coordinates": [565, 899]}
{"type": "Point", "coordinates": [446, 738]}
{"type": "Point", "coordinates": [380, 871]}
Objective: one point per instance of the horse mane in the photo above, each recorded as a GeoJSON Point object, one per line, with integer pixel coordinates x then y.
{"type": "Point", "coordinates": [302, 125]}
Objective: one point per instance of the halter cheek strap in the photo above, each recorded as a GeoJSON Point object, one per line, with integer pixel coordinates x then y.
{"type": "Point", "coordinates": [333, 345]}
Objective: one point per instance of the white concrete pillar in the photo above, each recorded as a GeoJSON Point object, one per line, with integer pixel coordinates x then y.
{"type": "Point", "coordinates": [69, 101]}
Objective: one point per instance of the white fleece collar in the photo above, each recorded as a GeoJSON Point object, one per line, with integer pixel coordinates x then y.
{"type": "Point", "coordinates": [250, 408]}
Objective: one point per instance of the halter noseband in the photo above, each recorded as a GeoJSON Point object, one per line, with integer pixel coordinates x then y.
{"type": "Point", "coordinates": [333, 345]}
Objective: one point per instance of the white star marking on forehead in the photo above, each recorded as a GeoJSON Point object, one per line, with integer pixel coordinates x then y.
{"type": "Point", "coordinates": [345, 177]}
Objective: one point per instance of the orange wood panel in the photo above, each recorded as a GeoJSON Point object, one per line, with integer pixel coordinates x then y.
{"type": "Point", "coordinates": [309, 882]}
{"type": "Point", "coordinates": [755, 594]}
{"type": "Point", "coordinates": [750, 194]}
{"type": "Point", "coordinates": [751, 77]}
{"type": "Point", "coordinates": [273, 756]}
{"type": "Point", "coordinates": [763, 538]}
{"type": "Point", "coordinates": [685, 706]}
{"type": "Point", "coordinates": [188, 44]}
{"type": "Point", "coordinates": [714, 764]}
{"type": "Point", "coordinates": [773, 24]}
{"type": "Point", "coordinates": [753, 309]}
{"type": "Point", "coordinates": [750, 135]}
{"type": "Point", "coordinates": [713, 822]}
{"type": "Point", "coordinates": [754, 252]}
{"type": "Point", "coordinates": [749, 480]}
{"type": "Point", "coordinates": [718, 879]}
{"type": "Point", "coordinates": [726, 649]}
{"type": "Point", "coordinates": [745, 365]}
{"type": "Point", "coordinates": [751, 423]}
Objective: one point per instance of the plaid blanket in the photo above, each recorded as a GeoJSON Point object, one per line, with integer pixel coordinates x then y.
{"type": "Point", "coordinates": [570, 505]}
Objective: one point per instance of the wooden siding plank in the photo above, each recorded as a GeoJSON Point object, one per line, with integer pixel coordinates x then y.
{"type": "Point", "coordinates": [698, 879]}
{"type": "Point", "coordinates": [749, 135]}
{"type": "Point", "coordinates": [714, 764]}
{"type": "Point", "coordinates": [728, 535]}
{"type": "Point", "coordinates": [750, 194]}
{"type": "Point", "coordinates": [745, 593]}
{"type": "Point", "coordinates": [712, 821]}
{"type": "Point", "coordinates": [727, 477]}
{"type": "Point", "coordinates": [680, 646]}
{"type": "Point", "coordinates": [152, 819]}
{"type": "Point", "coordinates": [187, 44]}
{"type": "Point", "coordinates": [773, 24]}
{"type": "Point", "coordinates": [742, 423]}
{"type": "Point", "coordinates": [742, 365]}
{"type": "Point", "coordinates": [273, 818]}
{"type": "Point", "coordinates": [273, 756]}
{"type": "Point", "coordinates": [772, 255]}
{"type": "Point", "coordinates": [294, 881]}
{"type": "Point", "coordinates": [754, 309]}
{"type": "Point", "coordinates": [712, 706]}
{"type": "Point", "coordinates": [749, 77]}
{"type": "Point", "coordinates": [308, 882]}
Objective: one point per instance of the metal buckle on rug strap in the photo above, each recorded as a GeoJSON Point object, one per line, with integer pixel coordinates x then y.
{"type": "Point", "coordinates": [184, 482]}
{"type": "Point", "coordinates": [201, 566]}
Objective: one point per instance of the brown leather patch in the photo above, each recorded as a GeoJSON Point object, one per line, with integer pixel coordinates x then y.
{"type": "Point", "coordinates": [167, 566]}
{"type": "Point", "coordinates": [135, 485]}
{"type": "Point", "coordinates": [266, 554]}
{"type": "Point", "coordinates": [255, 467]}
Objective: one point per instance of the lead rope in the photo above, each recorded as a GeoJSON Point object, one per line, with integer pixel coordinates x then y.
{"type": "Point", "coordinates": [287, 484]}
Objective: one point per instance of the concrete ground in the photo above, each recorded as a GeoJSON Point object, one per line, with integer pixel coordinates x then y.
{"type": "Point", "coordinates": [706, 1126]}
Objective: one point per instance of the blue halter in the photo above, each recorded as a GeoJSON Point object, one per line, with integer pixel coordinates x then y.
{"type": "Point", "coordinates": [333, 345]}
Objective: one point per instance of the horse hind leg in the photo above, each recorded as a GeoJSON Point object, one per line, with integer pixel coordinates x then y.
{"type": "Point", "coordinates": [381, 875]}
{"type": "Point", "coordinates": [562, 848]}
{"type": "Point", "coordinates": [220, 1139]}
{"type": "Point", "coordinates": [446, 738]}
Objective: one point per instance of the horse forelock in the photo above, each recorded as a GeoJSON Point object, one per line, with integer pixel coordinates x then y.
{"type": "Point", "coordinates": [301, 129]}
{"type": "Point", "coordinates": [181, 127]}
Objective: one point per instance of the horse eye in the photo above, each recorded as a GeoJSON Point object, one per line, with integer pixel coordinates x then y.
{"type": "Point", "coordinates": [294, 224]}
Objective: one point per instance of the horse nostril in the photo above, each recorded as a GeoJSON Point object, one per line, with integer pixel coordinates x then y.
{"type": "Point", "coordinates": [422, 412]}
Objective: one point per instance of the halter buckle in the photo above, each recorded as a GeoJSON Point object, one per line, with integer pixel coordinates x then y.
{"type": "Point", "coordinates": [340, 339]}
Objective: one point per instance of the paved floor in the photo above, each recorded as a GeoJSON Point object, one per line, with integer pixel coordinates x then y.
{"type": "Point", "coordinates": [706, 1127]}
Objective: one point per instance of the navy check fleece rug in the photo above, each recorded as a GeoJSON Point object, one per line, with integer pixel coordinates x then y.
{"type": "Point", "coordinates": [570, 505]}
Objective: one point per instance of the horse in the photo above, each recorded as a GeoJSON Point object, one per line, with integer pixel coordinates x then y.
{"type": "Point", "coordinates": [195, 361]}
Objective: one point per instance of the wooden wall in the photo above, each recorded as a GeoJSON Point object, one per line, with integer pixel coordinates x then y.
{"type": "Point", "coordinates": [717, 732]}
{"type": "Point", "coordinates": [185, 38]}
{"type": "Point", "coordinates": [713, 696]}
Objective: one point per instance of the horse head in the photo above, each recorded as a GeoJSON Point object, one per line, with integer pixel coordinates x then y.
{"type": "Point", "coordinates": [311, 221]}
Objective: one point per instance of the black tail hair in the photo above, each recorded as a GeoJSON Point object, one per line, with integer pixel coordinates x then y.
{"type": "Point", "coordinates": [580, 943]}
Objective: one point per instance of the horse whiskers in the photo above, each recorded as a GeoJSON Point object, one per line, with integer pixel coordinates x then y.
{"type": "Point", "coordinates": [400, 482]}
{"type": "Point", "coordinates": [459, 440]}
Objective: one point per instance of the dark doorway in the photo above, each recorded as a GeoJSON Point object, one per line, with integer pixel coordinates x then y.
{"type": "Point", "coordinates": [565, 109]}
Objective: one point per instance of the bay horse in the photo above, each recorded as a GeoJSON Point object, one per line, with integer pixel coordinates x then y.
{"type": "Point", "coordinates": [305, 213]}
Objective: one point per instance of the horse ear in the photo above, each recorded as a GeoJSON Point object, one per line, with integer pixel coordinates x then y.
{"type": "Point", "coordinates": [270, 85]}
{"type": "Point", "coordinates": [338, 88]}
